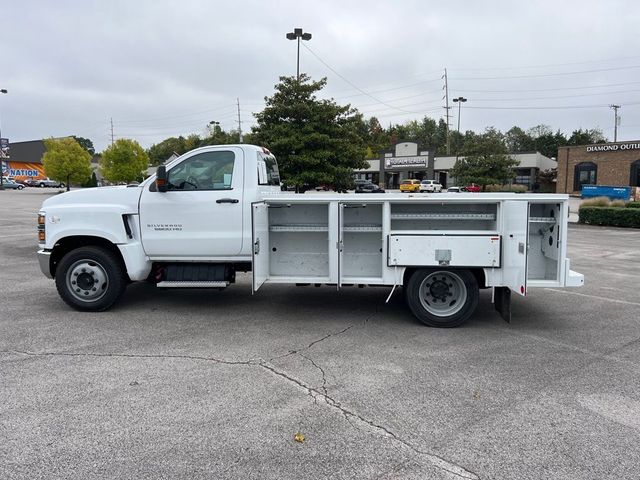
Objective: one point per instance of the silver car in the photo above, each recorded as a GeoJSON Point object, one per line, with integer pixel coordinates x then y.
{"type": "Point", "coordinates": [11, 185]}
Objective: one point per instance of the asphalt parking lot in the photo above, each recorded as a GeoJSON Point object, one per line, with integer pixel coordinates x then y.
{"type": "Point", "coordinates": [199, 384]}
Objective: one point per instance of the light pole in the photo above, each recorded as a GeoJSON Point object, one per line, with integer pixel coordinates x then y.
{"type": "Point", "coordinates": [3, 90]}
{"type": "Point", "coordinates": [298, 34]}
{"type": "Point", "coordinates": [459, 101]}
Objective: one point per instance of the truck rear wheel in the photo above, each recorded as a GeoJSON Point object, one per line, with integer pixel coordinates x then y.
{"type": "Point", "coordinates": [442, 297]}
{"type": "Point", "coordinates": [90, 278]}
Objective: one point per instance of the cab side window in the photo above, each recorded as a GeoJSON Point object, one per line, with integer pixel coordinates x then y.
{"type": "Point", "coordinates": [205, 171]}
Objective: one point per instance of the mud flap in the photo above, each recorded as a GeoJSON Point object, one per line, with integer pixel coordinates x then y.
{"type": "Point", "coordinates": [502, 302]}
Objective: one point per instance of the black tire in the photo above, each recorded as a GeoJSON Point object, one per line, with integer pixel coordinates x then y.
{"type": "Point", "coordinates": [20, 187]}
{"type": "Point", "coordinates": [90, 278]}
{"type": "Point", "coordinates": [427, 289]}
{"type": "Point", "coordinates": [41, 185]}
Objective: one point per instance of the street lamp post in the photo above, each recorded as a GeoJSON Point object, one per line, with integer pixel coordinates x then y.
{"type": "Point", "coordinates": [215, 124]}
{"type": "Point", "coordinates": [459, 101]}
{"type": "Point", "coordinates": [298, 34]}
{"type": "Point", "coordinates": [3, 90]}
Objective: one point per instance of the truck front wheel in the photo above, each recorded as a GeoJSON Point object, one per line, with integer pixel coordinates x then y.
{"type": "Point", "coordinates": [442, 297]}
{"type": "Point", "coordinates": [90, 278]}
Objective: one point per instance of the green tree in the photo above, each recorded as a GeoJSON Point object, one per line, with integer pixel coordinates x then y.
{"type": "Point", "coordinates": [91, 181]}
{"type": "Point", "coordinates": [517, 140]}
{"type": "Point", "coordinates": [316, 141]}
{"type": "Point", "coordinates": [66, 161]}
{"type": "Point", "coordinates": [124, 161]}
{"type": "Point", "coordinates": [485, 161]}
{"type": "Point", "coordinates": [586, 137]}
{"type": "Point", "coordinates": [160, 152]}
{"type": "Point", "coordinates": [85, 143]}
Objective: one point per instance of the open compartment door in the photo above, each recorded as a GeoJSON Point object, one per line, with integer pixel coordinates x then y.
{"type": "Point", "coordinates": [260, 244]}
{"type": "Point", "coordinates": [340, 243]}
{"type": "Point", "coordinates": [514, 245]}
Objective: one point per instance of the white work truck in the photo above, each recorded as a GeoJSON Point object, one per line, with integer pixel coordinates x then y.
{"type": "Point", "coordinates": [218, 210]}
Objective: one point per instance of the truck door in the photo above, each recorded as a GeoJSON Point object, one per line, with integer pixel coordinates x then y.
{"type": "Point", "coordinates": [260, 244]}
{"type": "Point", "coordinates": [515, 217]}
{"type": "Point", "coordinates": [200, 215]}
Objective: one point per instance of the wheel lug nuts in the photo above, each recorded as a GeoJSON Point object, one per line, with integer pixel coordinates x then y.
{"type": "Point", "coordinates": [86, 292]}
{"type": "Point", "coordinates": [94, 289]}
{"type": "Point", "coordinates": [73, 283]}
{"type": "Point", "coordinates": [78, 290]}
{"type": "Point", "coordinates": [75, 274]}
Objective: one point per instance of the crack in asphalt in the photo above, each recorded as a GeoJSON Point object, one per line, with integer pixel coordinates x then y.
{"type": "Point", "coordinates": [315, 342]}
{"type": "Point", "coordinates": [313, 392]}
{"type": "Point", "coordinates": [324, 375]}
{"type": "Point", "coordinates": [133, 355]}
{"type": "Point", "coordinates": [436, 460]}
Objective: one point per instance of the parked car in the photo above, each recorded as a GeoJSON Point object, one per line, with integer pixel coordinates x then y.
{"type": "Point", "coordinates": [369, 188]}
{"type": "Point", "coordinates": [457, 189]}
{"type": "Point", "coordinates": [45, 182]}
{"type": "Point", "coordinates": [473, 188]}
{"type": "Point", "coordinates": [430, 186]}
{"type": "Point", "coordinates": [12, 185]}
{"type": "Point", "coordinates": [324, 187]}
{"type": "Point", "coordinates": [410, 185]}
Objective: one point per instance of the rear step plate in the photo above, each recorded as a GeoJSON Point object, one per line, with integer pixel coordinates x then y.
{"type": "Point", "coordinates": [192, 284]}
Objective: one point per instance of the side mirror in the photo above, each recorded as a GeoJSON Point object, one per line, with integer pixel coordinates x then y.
{"type": "Point", "coordinates": [161, 178]}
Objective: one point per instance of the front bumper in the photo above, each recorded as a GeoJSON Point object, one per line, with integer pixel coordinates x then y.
{"type": "Point", "coordinates": [43, 259]}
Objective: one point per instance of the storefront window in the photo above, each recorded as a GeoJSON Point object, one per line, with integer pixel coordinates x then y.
{"type": "Point", "coordinates": [634, 181]}
{"type": "Point", "coordinates": [585, 173]}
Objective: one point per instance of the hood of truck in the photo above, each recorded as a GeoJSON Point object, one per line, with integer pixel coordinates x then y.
{"type": "Point", "coordinates": [124, 198]}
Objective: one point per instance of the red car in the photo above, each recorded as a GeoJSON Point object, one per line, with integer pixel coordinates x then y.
{"type": "Point", "coordinates": [473, 188]}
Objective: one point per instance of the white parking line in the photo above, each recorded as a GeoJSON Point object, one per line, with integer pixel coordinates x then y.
{"type": "Point", "coordinates": [624, 302]}
{"type": "Point", "coordinates": [19, 235]}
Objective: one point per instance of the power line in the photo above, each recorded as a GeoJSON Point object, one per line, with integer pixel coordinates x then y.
{"type": "Point", "coordinates": [171, 117]}
{"type": "Point", "coordinates": [552, 89]}
{"type": "Point", "coordinates": [550, 107]}
{"type": "Point", "coordinates": [541, 75]}
{"type": "Point", "coordinates": [351, 83]}
{"type": "Point", "coordinates": [552, 98]}
{"type": "Point", "coordinates": [547, 65]}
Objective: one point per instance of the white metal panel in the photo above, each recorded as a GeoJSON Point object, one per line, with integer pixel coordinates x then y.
{"type": "Point", "coordinates": [260, 244]}
{"type": "Point", "coordinates": [515, 224]}
{"type": "Point", "coordinates": [340, 243]}
{"type": "Point", "coordinates": [451, 250]}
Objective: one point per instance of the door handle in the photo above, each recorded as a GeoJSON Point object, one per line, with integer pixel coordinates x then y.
{"type": "Point", "coordinates": [227, 200]}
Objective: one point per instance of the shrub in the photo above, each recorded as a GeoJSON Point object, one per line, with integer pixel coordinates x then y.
{"type": "Point", "coordinates": [633, 205]}
{"type": "Point", "coordinates": [506, 188]}
{"type": "Point", "coordinates": [596, 202]}
{"type": "Point", "coordinates": [610, 216]}
{"type": "Point", "coordinates": [617, 203]}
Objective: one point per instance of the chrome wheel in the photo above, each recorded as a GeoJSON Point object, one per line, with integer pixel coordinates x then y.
{"type": "Point", "coordinates": [443, 293]}
{"type": "Point", "coordinates": [87, 280]}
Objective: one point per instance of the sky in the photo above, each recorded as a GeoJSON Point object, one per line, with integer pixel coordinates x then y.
{"type": "Point", "coordinates": [164, 68]}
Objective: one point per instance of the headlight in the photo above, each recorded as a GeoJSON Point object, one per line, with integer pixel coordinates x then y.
{"type": "Point", "coordinates": [41, 227]}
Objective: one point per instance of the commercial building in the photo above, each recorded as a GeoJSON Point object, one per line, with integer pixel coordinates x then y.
{"type": "Point", "coordinates": [24, 160]}
{"type": "Point", "coordinates": [408, 160]}
{"type": "Point", "coordinates": [614, 164]}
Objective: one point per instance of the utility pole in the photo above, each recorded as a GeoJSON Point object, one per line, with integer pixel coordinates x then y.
{"type": "Point", "coordinates": [2, 153]}
{"type": "Point", "coordinates": [239, 122]}
{"type": "Point", "coordinates": [447, 107]}
{"type": "Point", "coordinates": [111, 130]}
{"type": "Point", "coordinates": [616, 119]}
